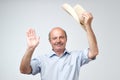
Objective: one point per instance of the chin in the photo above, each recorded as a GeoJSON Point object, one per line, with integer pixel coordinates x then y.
{"type": "Point", "coordinates": [58, 49]}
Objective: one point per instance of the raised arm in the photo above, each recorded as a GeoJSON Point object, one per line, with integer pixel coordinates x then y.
{"type": "Point", "coordinates": [32, 42]}
{"type": "Point", "coordinates": [86, 19]}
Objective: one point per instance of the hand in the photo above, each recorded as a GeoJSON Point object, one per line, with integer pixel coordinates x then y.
{"type": "Point", "coordinates": [86, 19]}
{"type": "Point", "coordinates": [32, 39]}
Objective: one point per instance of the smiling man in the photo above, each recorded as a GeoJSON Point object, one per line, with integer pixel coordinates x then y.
{"type": "Point", "coordinates": [60, 64]}
{"type": "Point", "coordinates": [58, 39]}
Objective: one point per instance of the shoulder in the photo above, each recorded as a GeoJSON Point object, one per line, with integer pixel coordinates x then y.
{"type": "Point", "coordinates": [40, 57]}
{"type": "Point", "coordinates": [83, 52]}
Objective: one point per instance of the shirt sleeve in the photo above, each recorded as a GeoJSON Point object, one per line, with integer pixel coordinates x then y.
{"type": "Point", "coordinates": [84, 57]}
{"type": "Point", "coordinates": [35, 65]}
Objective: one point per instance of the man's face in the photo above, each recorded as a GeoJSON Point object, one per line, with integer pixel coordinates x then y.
{"type": "Point", "coordinates": [58, 39]}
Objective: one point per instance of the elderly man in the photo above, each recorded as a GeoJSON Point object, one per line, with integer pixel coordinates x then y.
{"type": "Point", "coordinates": [60, 64]}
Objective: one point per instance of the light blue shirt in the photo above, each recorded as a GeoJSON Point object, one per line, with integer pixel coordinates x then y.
{"type": "Point", "coordinates": [66, 67]}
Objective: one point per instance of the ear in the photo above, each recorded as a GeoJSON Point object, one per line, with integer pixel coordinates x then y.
{"type": "Point", "coordinates": [49, 40]}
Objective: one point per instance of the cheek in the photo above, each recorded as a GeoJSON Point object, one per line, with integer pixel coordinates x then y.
{"type": "Point", "coordinates": [64, 42]}
{"type": "Point", "coordinates": [52, 42]}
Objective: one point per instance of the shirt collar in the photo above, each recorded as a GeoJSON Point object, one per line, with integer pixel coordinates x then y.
{"type": "Point", "coordinates": [54, 54]}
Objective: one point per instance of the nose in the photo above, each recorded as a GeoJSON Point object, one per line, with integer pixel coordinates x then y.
{"type": "Point", "coordinates": [58, 40]}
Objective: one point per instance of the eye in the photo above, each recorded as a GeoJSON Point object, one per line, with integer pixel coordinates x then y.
{"type": "Point", "coordinates": [54, 38]}
{"type": "Point", "coordinates": [62, 37]}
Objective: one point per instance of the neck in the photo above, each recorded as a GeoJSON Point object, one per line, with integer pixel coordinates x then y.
{"type": "Point", "coordinates": [59, 52]}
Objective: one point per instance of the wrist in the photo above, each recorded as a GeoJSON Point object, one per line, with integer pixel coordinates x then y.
{"type": "Point", "coordinates": [88, 27]}
{"type": "Point", "coordinates": [30, 48]}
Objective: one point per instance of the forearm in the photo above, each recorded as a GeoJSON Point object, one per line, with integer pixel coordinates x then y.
{"type": "Point", "coordinates": [25, 67]}
{"type": "Point", "coordinates": [93, 48]}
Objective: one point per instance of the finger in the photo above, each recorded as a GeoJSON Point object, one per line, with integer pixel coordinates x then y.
{"type": "Point", "coordinates": [27, 33]}
{"type": "Point", "coordinates": [31, 32]}
{"type": "Point", "coordinates": [38, 38]}
{"type": "Point", "coordinates": [88, 15]}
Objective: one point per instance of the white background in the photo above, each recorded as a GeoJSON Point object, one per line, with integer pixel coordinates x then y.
{"type": "Point", "coordinates": [16, 16]}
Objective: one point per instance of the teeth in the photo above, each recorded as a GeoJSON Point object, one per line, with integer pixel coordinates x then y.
{"type": "Point", "coordinates": [58, 44]}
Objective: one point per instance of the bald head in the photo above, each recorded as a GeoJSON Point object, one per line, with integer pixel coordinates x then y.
{"type": "Point", "coordinates": [56, 29]}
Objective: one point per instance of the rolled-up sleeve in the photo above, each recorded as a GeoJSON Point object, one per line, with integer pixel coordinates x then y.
{"type": "Point", "coordinates": [84, 57]}
{"type": "Point", "coordinates": [35, 65]}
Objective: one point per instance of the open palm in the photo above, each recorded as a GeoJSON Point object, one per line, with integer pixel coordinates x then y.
{"type": "Point", "coordinates": [32, 39]}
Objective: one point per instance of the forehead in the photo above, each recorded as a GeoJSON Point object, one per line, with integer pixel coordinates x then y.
{"type": "Point", "coordinates": [57, 32]}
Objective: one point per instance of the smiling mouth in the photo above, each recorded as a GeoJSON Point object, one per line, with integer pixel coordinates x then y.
{"type": "Point", "coordinates": [59, 44]}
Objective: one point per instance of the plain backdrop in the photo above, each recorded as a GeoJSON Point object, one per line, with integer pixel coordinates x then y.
{"type": "Point", "coordinates": [16, 16]}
